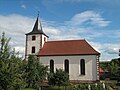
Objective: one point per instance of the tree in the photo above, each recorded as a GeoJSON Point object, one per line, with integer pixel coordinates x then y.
{"type": "Point", "coordinates": [10, 63]}
{"type": "Point", "coordinates": [114, 68]}
{"type": "Point", "coordinates": [35, 72]}
{"type": "Point", "coordinates": [104, 65]}
{"type": "Point", "coordinates": [58, 78]}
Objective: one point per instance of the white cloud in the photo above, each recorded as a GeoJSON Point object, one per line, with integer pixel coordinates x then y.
{"type": "Point", "coordinates": [107, 48]}
{"type": "Point", "coordinates": [16, 26]}
{"type": "Point", "coordinates": [90, 18]}
{"type": "Point", "coordinates": [19, 49]}
{"type": "Point", "coordinates": [101, 1]}
{"type": "Point", "coordinates": [112, 48]}
{"type": "Point", "coordinates": [108, 51]}
{"type": "Point", "coordinates": [52, 30]}
{"type": "Point", "coordinates": [97, 46]}
{"type": "Point", "coordinates": [23, 6]}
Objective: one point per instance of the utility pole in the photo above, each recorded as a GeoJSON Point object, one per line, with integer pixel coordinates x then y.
{"type": "Point", "coordinates": [119, 68]}
{"type": "Point", "coordinates": [119, 53]}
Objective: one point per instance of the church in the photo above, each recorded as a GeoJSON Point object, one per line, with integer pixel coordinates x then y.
{"type": "Point", "coordinates": [76, 57]}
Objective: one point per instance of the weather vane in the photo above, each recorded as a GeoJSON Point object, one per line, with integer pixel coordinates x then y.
{"type": "Point", "coordinates": [38, 13]}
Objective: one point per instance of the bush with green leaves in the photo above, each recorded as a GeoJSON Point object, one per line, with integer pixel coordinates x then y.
{"type": "Point", "coordinates": [58, 78]}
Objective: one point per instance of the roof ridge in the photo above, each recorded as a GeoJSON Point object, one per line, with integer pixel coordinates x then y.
{"type": "Point", "coordinates": [67, 40]}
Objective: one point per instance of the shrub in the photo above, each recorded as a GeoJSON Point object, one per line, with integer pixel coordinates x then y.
{"type": "Point", "coordinates": [58, 78]}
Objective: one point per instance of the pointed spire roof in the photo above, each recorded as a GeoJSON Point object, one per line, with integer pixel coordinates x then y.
{"type": "Point", "coordinates": [37, 29]}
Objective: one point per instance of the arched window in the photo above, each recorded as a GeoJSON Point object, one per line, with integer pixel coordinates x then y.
{"type": "Point", "coordinates": [82, 66]}
{"type": "Point", "coordinates": [51, 66]}
{"type": "Point", "coordinates": [66, 66]}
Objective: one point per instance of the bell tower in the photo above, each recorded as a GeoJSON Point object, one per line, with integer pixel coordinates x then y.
{"type": "Point", "coordinates": [35, 39]}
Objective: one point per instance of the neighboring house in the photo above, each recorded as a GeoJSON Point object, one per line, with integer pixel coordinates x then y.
{"type": "Point", "coordinates": [101, 72]}
{"type": "Point", "coordinates": [76, 57]}
{"type": "Point", "coordinates": [104, 73]}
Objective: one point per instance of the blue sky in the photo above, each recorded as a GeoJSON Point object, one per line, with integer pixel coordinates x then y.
{"type": "Point", "coordinates": [97, 21]}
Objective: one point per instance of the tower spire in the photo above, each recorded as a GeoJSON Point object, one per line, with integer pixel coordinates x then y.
{"type": "Point", "coordinates": [37, 29]}
{"type": "Point", "coordinates": [38, 14]}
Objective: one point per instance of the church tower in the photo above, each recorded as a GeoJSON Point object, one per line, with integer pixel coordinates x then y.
{"type": "Point", "coordinates": [35, 39]}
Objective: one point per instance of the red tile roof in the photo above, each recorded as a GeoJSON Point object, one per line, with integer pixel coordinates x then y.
{"type": "Point", "coordinates": [67, 47]}
{"type": "Point", "coordinates": [101, 70]}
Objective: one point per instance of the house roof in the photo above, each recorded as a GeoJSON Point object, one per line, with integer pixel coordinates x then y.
{"type": "Point", "coordinates": [101, 70]}
{"type": "Point", "coordinates": [37, 29]}
{"type": "Point", "coordinates": [67, 47]}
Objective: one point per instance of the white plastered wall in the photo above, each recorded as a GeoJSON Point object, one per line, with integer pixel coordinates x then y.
{"type": "Point", "coordinates": [31, 43]}
{"type": "Point", "coordinates": [43, 41]}
{"type": "Point", "coordinates": [74, 66]}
